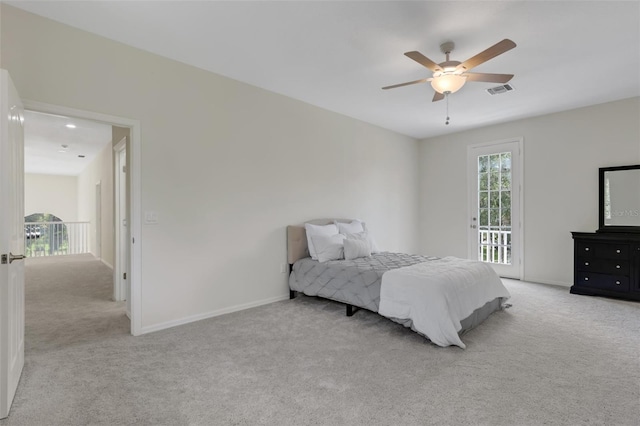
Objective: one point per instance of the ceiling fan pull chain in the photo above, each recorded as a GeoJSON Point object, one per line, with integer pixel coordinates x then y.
{"type": "Point", "coordinates": [446, 95]}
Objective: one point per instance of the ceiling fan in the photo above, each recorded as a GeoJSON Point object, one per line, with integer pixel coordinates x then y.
{"type": "Point", "coordinates": [449, 76]}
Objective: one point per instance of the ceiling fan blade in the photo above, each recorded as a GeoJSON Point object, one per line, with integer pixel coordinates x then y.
{"type": "Point", "coordinates": [406, 84]}
{"type": "Point", "coordinates": [495, 50]}
{"type": "Point", "coordinates": [489, 78]}
{"type": "Point", "coordinates": [423, 60]}
{"type": "Point", "coordinates": [437, 97]}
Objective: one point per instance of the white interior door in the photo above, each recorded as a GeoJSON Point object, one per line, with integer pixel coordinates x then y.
{"type": "Point", "coordinates": [495, 198]}
{"type": "Point", "coordinates": [11, 242]}
{"type": "Point", "coordinates": [121, 290]}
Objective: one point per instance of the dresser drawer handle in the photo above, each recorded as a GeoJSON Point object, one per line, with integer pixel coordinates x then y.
{"type": "Point", "coordinates": [586, 278]}
{"type": "Point", "coordinates": [586, 263]}
{"type": "Point", "coordinates": [618, 251]}
{"type": "Point", "coordinates": [586, 249]}
{"type": "Point", "coordinates": [617, 266]}
{"type": "Point", "coordinates": [617, 282]}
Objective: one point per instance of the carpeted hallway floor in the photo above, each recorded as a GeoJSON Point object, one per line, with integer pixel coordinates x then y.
{"type": "Point", "coordinates": [552, 359]}
{"type": "Point", "coordinates": [68, 302]}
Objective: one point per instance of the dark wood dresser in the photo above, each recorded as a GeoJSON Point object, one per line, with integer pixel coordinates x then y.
{"type": "Point", "coordinates": [607, 264]}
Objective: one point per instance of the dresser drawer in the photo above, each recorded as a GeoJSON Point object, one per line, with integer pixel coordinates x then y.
{"type": "Point", "coordinates": [604, 266]}
{"type": "Point", "coordinates": [603, 250]}
{"type": "Point", "coordinates": [586, 249]}
{"type": "Point", "coordinates": [603, 281]}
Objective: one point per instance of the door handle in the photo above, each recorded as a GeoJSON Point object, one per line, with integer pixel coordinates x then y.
{"type": "Point", "coordinates": [11, 257]}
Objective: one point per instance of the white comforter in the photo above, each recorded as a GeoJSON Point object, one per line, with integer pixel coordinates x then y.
{"type": "Point", "coordinates": [438, 294]}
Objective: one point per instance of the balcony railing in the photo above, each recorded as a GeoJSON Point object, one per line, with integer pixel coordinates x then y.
{"type": "Point", "coordinates": [494, 246]}
{"type": "Point", "coordinates": [55, 238]}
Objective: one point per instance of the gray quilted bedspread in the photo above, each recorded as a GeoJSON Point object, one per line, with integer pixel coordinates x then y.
{"type": "Point", "coordinates": [356, 282]}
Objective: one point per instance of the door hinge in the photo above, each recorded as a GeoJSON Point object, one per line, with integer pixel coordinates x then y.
{"type": "Point", "coordinates": [124, 276]}
{"type": "Point", "coordinates": [124, 169]}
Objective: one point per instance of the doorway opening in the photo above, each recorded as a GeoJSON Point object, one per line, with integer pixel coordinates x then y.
{"type": "Point", "coordinates": [123, 256]}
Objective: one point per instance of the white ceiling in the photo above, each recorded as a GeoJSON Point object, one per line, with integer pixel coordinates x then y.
{"type": "Point", "coordinates": [338, 54]}
{"type": "Point", "coordinates": [45, 135]}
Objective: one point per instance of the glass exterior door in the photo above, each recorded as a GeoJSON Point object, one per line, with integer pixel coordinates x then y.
{"type": "Point", "coordinates": [494, 186]}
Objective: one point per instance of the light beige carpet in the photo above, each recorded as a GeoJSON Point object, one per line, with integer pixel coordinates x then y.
{"type": "Point", "coordinates": [552, 359]}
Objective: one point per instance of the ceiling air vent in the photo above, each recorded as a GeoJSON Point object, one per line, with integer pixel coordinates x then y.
{"type": "Point", "coordinates": [504, 88]}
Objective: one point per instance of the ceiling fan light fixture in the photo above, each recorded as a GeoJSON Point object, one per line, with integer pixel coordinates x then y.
{"type": "Point", "coordinates": [448, 83]}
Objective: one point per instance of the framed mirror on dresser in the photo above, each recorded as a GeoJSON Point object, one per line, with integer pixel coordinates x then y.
{"type": "Point", "coordinates": [607, 262]}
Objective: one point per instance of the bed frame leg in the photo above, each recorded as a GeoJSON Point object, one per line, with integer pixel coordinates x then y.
{"type": "Point", "coordinates": [292, 293]}
{"type": "Point", "coordinates": [352, 310]}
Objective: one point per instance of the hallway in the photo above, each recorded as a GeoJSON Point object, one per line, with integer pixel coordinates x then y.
{"type": "Point", "coordinates": [68, 301]}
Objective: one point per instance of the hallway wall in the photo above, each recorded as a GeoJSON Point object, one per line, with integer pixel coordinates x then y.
{"type": "Point", "coordinates": [100, 170]}
{"type": "Point", "coordinates": [57, 195]}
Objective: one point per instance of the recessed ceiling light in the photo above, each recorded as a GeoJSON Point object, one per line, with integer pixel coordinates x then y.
{"type": "Point", "coordinates": [71, 126]}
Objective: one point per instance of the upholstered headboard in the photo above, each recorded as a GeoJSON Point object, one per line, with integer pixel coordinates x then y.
{"type": "Point", "coordinates": [297, 239]}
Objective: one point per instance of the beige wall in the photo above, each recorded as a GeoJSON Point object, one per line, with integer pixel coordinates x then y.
{"type": "Point", "coordinates": [53, 194]}
{"type": "Point", "coordinates": [99, 170]}
{"type": "Point", "coordinates": [225, 165]}
{"type": "Point", "coordinates": [562, 154]}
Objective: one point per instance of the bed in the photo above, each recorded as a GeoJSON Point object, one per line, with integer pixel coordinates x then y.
{"type": "Point", "coordinates": [440, 298]}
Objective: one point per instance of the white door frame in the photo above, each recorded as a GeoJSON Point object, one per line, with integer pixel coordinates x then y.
{"type": "Point", "coordinates": [120, 267]}
{"type": "Point", "coordinates": [517, 223]}
{"type": "Point", "coordinates": [98, 223]}
{"type": "Point", "coordinates": [134, 207]}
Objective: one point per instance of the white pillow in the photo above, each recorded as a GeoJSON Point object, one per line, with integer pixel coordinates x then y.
{"type": "Point", "coordinates": [356, 227]}
{"type": "Point", "coordinates": [365, 236]}
{"type": "Point", "coordinates": [354, 248]}
{"type": "Point", "coordinates": [350, 228]}
{"type": "Point", "coordinates": [374, 245]}
{"type": "Point", "coordinates": [326, 230]}
{"type": "Point", "coordinates": [329, 247]}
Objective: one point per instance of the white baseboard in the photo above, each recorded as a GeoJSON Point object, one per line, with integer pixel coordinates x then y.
{"type": "Point", "coordinates": [194, 318]}
{"type": "Point", "coordinates": [534, 280]}
{"type": "Point", "coordinates": [107, 264]}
